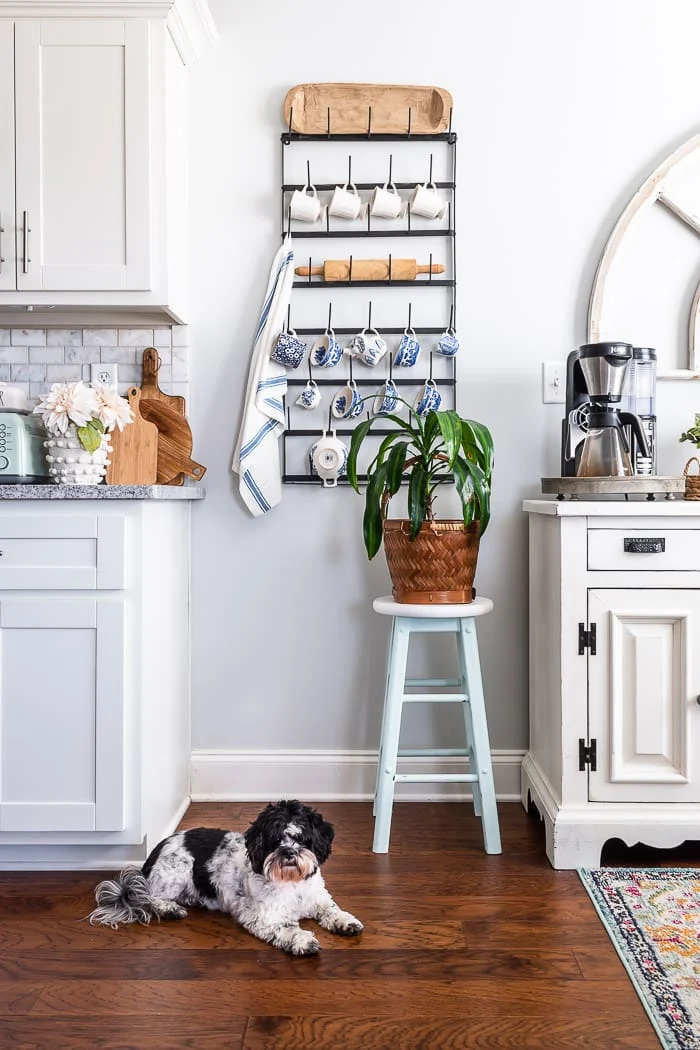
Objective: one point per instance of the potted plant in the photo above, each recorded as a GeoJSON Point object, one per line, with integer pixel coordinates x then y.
{"type": "Point", "coordinates": [429, 560]}
{"type": "Point", "coordinates": [78, 420]}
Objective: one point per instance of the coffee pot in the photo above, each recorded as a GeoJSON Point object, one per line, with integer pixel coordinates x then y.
{"type": "Point", "coordinates": [605, 451]}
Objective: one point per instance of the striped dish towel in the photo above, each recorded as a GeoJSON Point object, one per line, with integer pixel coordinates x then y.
{"type": "Point", "coordinates": [256, 459]}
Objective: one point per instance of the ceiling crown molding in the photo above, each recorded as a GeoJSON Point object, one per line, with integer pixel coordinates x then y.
{"type": "Point", "coordinates": [189, 22]}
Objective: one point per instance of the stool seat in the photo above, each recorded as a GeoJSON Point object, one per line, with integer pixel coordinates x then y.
{"type": "Point", "coordinates": [459, 621]}
{"type": "Point", "coordinates": [388, 607]}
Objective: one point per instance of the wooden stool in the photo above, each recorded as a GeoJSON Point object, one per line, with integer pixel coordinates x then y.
{"type": "Point", "coordinates": [460, 621]}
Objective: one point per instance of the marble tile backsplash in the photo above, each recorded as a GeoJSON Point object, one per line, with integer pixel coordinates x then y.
{"type": "Point", "coordinates": [34, 358]}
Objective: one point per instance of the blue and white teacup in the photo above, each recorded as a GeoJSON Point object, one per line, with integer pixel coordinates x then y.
{"type": "Point", "coordinates": [387, 399]}
{"type": "Point", "coordinates": [429, 399]}
{"type": "Point", "coordinates": [326, 351]}
{"type": "Point", "coordinates": [408, 349]}
{"type": "Point", "coordinates": [348, 402]}
{"type": "Point", "coordinates": [288, 350]}
{"type": "Point", "coordinates": [310, 396]}
{"type": "Point", "coordinates": [448, 343]}
{"type": "Point", "coordinates": [328, 458]}
{"type": "Point", "coordinates": [368, 346]}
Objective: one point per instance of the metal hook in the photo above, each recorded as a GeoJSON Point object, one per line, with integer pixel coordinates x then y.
{"type": "Point", "coordinates": [369, 315]}
{"type": "Point", "coordinates": [351, 370]}
{"type": "Point", "coordinates": [329, 415]}
{"type": "Point", "coordinates": [369, 121]}
{"type": "Point", "coordinates": [391, 367]}
{"type": "Point", "coordinates": [289, 220]}
{"type": "Point", "coordinates": [328, 121]}
{"type": "Point", "coordinates": [391, 161]}
{"type": "Point", "coordinates": [430, 373]}
{"type": "Point", "coordinates": [452, 313]}
{"type": "Point", "coordinates": [309, 269]}
{"type": "Point", "coordinates": [410, 308]}
{"type": "Point", "coordinates": [289, 128]}
{"type": "Point", "coordinates": [289, 316]}
{"type": "Point", "coordinates": [308, 174]}
{"type": "Point", "coordinates": [409, 122]}
{"type": "Point", "coordinates": [330, 314]}
{"type": "Point", "coordinates": [389, 267]}
{"type": "Point", "coordinates": [350, 271]}
{"type": "Point", "coordinates": [449, 215]}
{"type": "Point", "coordinates": [350, 170]}
{"type": "Point", "coordinates": [308, 361]}
{"type": "Point", "coordinates": [430, 176]}
{"type": "Point", "coordinates": [449, 127]}
{"type": "Point", "coordinates": [430, 270]}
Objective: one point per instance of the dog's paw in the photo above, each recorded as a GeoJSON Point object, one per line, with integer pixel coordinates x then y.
{"type": "Point", "coordinates": [347, 925]}
{"type": "Point", "coordinates": [303, 943]}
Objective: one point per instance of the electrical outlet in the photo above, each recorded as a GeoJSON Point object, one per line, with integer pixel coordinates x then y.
{"type": "Point", "coordinates": [104, 374]}
{"type": "Point", "coordinates": [553, 382]}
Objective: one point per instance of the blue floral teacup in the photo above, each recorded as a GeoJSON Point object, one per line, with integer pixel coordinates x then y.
{"type": "Point", "coordinates": [289, 349]}
{"type": "Point", "coordinates": [328, 458]}
{"type": "Point", "coordinates": [310, 396]}
{"type": "Point", "coordinates": [429, 399]}
{"type": "Point", "coordinates": [408, 349]}
{"type": "Point", "coordinates": [368, 346]}
{"type": "Point", "coordinates": [387, 399]}
{"type": "Point", "coordinates": [448, 343]}
{"type": "Point", "coordinates": [326, 351]}
{"type": "Point", "coordinates": [348, 402]}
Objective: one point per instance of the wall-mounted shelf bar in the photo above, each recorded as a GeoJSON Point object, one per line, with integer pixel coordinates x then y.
{"type": "Point", "coordinates": [315, 283]}
{"type": "Point", "coordinates": [312, 479]}
{"type": "Point", "coordinates": [289, 186]}
{"type": "Point", "coordinates": [378, 381]}
{"type": "Point", "coordinates": [320, 234]}
{"type": "Point", "coordinates": [293, 136]}
{"type": "Point", "coordinates": [384, 331]}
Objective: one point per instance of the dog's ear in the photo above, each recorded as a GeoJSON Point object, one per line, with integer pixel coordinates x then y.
{"type": "Point", "coordinates": [255, 839]}
{"type": "Point", "coordinates": [322, 834]}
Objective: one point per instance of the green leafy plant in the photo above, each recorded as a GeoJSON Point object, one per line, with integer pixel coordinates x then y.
{"type": "Point", "coordinates": [430, 451]}
{"type": "Point", "coordinates": [692, 433]}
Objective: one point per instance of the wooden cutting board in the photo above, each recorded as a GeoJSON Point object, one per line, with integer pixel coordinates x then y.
{"type": "Point", "coordinates": [307, 106]}
{"type": "Point", "coordinates": [174, 444]}
{"type": "Point", "coordinates": [134, 456]}
{"type": "Point", "coordinates": [150, 391]}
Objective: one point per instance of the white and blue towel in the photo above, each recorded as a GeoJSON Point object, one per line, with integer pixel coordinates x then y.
{"type": "Point", "coordinates": [256, 459]}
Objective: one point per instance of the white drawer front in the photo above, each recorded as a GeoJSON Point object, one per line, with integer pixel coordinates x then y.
{"type": "Point", "coordinates": [84, 552]}
{"type": "Point", "coordinates": [634, 549]}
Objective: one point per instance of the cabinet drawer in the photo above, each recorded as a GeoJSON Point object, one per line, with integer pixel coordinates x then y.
{"type": "Point", "coordinates": [634, 550]}
{"type": "Point", "coordinates": [85, 552]}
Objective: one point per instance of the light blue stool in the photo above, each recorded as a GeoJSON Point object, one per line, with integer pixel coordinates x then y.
{"type": "Point", "coordinates": [459, 620]}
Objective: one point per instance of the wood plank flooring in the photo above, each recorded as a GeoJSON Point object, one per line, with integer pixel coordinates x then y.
{"type": "Point", "coordinates": [460, 950]}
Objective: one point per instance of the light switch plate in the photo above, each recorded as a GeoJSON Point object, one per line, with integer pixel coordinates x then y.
{"type": "Point", "coordinates": [105, 374]}
{"type": "Point", "coordinates": [553, 382]}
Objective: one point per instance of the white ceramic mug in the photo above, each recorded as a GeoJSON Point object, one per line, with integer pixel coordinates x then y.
{"type": "Point", "coordinates": [427, 202]}
{"type": "Point", "coordinates": [346, 203]}
{"type": "Point", "coordinates": [328, 458]}
{"type": "Point", "coordinates": [387, 203]}
{"type": "Point", "coordinates": [305, 205]}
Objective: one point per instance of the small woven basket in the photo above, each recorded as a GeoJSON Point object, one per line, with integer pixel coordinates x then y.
{"type": "Point", "coordinates": [692, 481]}
{"type": "Point", "coordinates": [437, 567]}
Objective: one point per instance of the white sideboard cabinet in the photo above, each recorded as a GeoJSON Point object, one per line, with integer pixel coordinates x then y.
{"type": "Point", "coordinates": [614, 747]}
{"type": "Point", "coordinates": [92, 171]}
{"type": "Point", "coordinates": [94, 679]}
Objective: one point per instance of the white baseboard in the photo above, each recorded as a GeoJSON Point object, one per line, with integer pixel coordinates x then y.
{"type": "Point", "coordinates": [332, 776]}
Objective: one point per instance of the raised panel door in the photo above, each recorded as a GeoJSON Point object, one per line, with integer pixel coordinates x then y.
{"type": "Point", "coordinates": [82, 155]}
{"type": "Point", "coordinates": [61, 714]}
{"type": "Point", "coordinates": [643, 687]}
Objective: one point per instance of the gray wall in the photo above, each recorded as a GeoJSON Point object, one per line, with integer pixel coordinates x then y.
{"type": "Point", "coordinates": [561, 110]}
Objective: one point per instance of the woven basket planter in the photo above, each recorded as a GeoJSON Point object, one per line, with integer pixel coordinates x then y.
{"type": "Point", "coordinates": [438, 567]}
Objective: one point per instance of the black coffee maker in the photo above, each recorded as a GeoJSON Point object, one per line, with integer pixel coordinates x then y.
{"type": "Point", "coordinates": [593, 442]}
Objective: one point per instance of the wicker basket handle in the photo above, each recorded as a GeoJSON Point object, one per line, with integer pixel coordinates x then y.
{"type": "Point", "coordinates": [686, 469]}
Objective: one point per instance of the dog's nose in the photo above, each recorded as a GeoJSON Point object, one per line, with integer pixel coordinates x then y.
{"type": "Point", "coordinates": [288, 852]}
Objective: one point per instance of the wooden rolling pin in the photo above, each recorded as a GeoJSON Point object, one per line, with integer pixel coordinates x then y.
{"type": "Point", "coordinates": [368, 270]}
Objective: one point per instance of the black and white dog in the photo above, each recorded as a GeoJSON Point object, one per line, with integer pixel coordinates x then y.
{"type": "Point", "coordinates": [267, 878]}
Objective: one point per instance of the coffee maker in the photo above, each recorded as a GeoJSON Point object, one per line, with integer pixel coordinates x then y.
{"type": "Point", "coordinates": [594, 443]}
{"type": "Point", "coordinates": [639, 396]}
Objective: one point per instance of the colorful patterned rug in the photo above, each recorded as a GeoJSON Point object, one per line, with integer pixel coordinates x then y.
{"type": "Point", "coordinates": [652, 916]}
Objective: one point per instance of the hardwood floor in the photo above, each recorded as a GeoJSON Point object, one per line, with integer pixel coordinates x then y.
{"type": "Point", "coordinates": [460, 950]}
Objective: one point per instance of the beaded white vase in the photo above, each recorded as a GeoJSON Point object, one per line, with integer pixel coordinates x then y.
{"type": "Point", "coordinates": [70, 464]}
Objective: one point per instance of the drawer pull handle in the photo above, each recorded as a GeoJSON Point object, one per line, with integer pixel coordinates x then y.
{"type": "Point", "coordinates": [644, 544]}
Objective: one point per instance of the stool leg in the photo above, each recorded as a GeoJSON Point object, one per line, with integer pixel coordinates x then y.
{"type": "Point", "coordinates": [469, 728]}
{"type": "Point", "coordinates": [384, 710]}
{"type": "Point", "coordinates": [391, 729]}
{"type": "Point", "coordinates": [479, 727]}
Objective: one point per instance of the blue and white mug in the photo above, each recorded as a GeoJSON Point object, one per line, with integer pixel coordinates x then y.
{"type": "Point", "coordinates": [387, 399]}
{"type": "Point", "coordinates": [348, 402]}
{"type": "Point", "coordinates": [326, 351]}
{"type": "Point", "coordinates": [288, 350]}
{"type": "Point", "coordinates": [448, 343]}
{"type": "Point", "coordinates": [368, 346]}
{"type": "Point", "coordinates": [328, 458]}
{"type": "Point", "coordinates": [408, 349]}
{"type": "Point", "coordinates": [310, 396]}
{"type": "Point", "coordinates": [428, 399]}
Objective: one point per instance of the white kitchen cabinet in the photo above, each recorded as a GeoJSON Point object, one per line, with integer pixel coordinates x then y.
{"type": "Point", "coordinates": [94, 678]}
{"type": "Point", "coordinates": [614, 747]}
{"type": "Point", "coordinates": [92, 186]}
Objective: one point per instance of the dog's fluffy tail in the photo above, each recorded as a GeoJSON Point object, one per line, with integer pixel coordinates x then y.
{"type": "Point", "coordinates": [123, 901]}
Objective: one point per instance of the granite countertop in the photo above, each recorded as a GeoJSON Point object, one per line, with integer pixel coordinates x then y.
{"type": "Point", "coordinates": [50, 491]}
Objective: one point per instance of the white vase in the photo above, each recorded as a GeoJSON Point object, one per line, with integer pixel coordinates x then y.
{"type": "Point", "coordinates": [70, 464]}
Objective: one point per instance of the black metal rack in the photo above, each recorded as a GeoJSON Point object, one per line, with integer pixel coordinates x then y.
{"type": "Point", "coordinates": [346, 370]}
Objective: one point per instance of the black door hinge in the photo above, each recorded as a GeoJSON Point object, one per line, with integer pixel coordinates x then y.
{"type": "Point", "coordinates": [586, 639]}
{"type": "Point", "coordinates": [588, 754]}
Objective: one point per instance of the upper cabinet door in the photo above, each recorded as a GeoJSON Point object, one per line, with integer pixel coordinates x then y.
{"type": "Point", "coordinates": [7, 157]}
{"type": "Point", "coordinates": [82, 95]}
